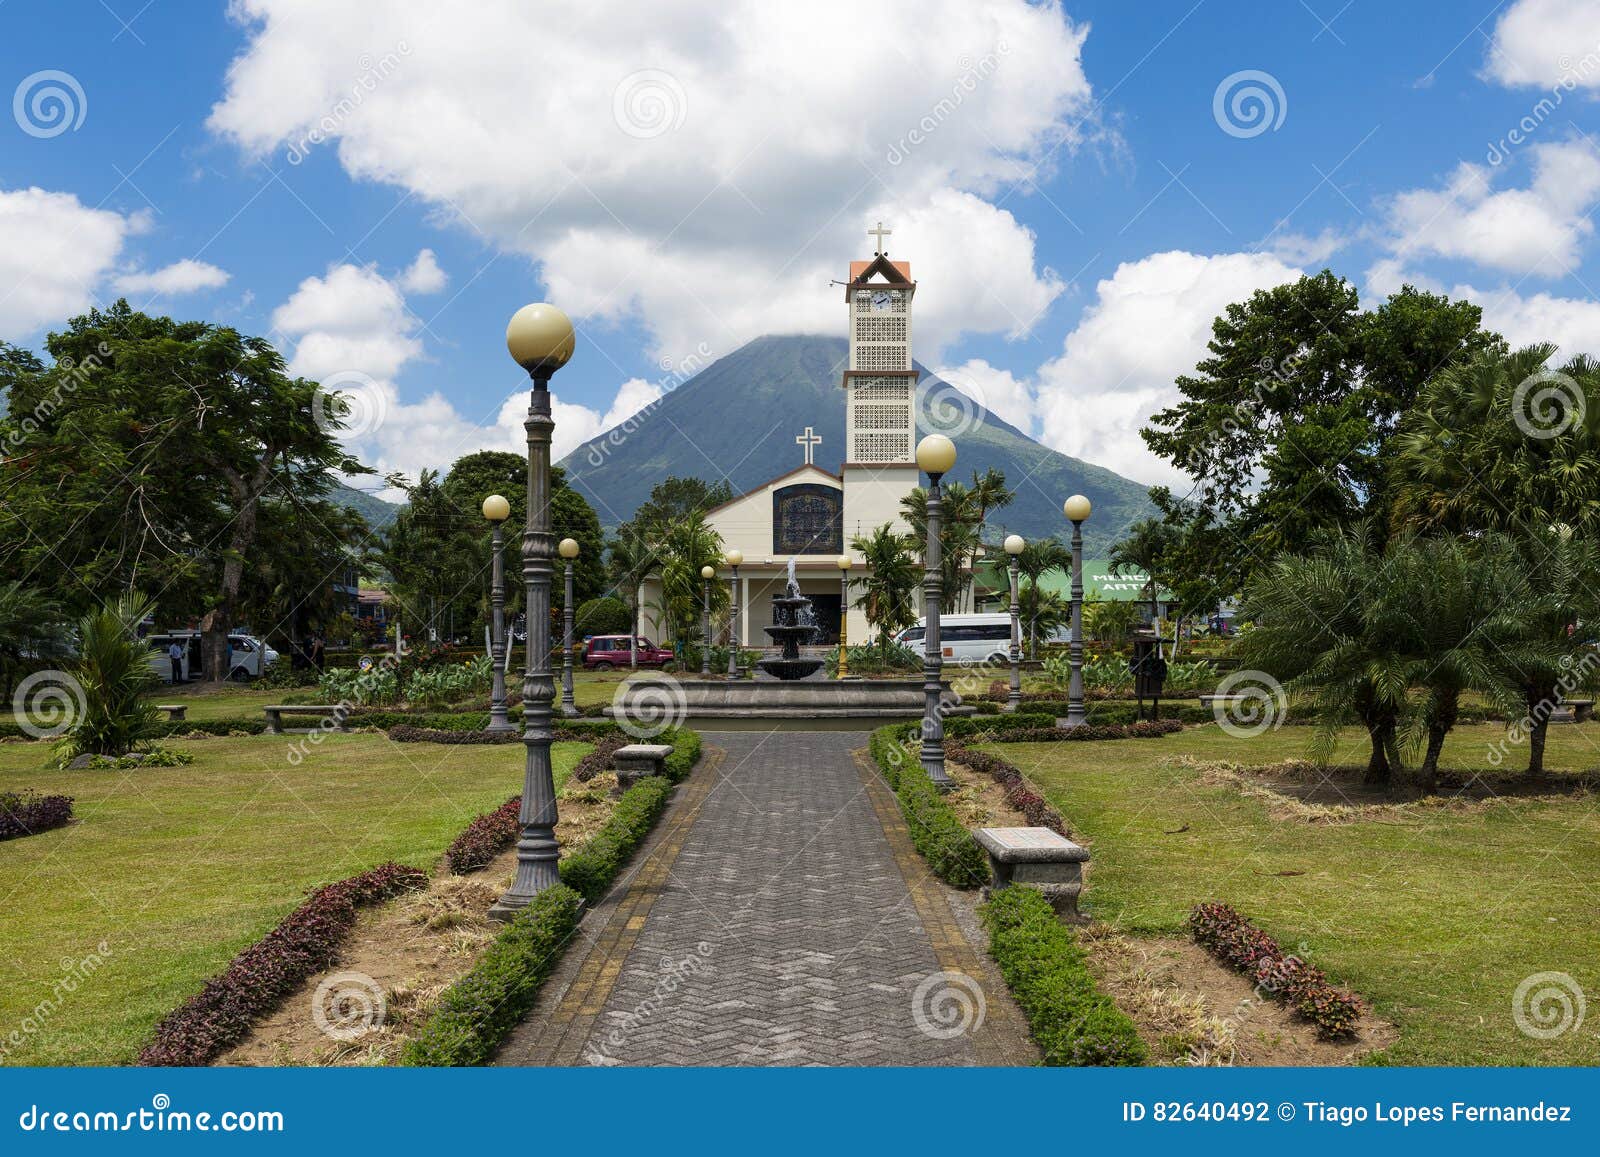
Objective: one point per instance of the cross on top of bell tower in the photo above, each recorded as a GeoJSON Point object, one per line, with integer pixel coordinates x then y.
{"type": "Point", "coordinates": [880, 233]}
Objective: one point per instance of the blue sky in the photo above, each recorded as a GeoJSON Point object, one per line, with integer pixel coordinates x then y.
{"type": "Point", "coordinates": [683, 177]}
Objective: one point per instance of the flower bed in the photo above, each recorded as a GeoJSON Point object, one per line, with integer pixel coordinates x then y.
{"type": "Point", "coordinates": [27, 813]}
{"type": "Point", "coordinates": [1033, 806]}
{"type": "Point", "coordinates": [1245, 948]}
{"type": "Point", "coordinates": [305, 942]}
{"type": "Point", "coordinates": [484, 838]}
{"type": "Point", "coordinates": [1073, 1022]}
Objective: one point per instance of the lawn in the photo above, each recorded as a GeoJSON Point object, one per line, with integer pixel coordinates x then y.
{"type": "Point", "coordinates": [177, 869]}
{"type": "Point", "coordinates": [1435, 914]}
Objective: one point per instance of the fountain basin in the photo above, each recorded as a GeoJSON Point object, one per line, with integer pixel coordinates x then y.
{"type": "Point", "coordinates": [765, 704]}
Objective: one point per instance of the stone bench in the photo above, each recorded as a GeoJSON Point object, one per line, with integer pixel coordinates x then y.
{"type": "Point", "coordinates": [1572, 711]}
{"type": "Point", "coordinates": [1225, 700]}
{"type": "Point", "coordinates": [175, 711]}
{"type": "Point", "coordinates": [1040, 858]}
{"type": "Point", "coordinates": [276, 712]}
{"type": "Point", "coordinates": [636, 761]}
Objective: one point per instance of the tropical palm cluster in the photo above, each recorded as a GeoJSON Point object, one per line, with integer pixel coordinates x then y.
{"type": "Point", "coordinates": [1396, 633]}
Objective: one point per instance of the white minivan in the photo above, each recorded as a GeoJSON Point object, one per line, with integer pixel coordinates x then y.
{"type": "Point", "coordinates": [248, 656]}
{"type": "Point", "coordinates": [965, 638]}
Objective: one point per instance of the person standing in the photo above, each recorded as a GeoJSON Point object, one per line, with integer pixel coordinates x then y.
{"type": "Point", "coordinates": [175, 653]}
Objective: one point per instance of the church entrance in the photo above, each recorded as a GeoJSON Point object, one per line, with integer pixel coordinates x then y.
{"type": "Point", "coordinates": [826, 608]}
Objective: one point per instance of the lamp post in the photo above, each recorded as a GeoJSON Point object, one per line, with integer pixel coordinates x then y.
{"type": "Point", "coordinates": [733, 558]}
{"type": "Point", "coordinates": [569, 706]}
{"type": "Point", "coordinates": [935, 455]}
{"type": "Point", "coordinates": [844, 612]}
{"type": "Point", "coordinates": [1077, 510]}
{"type": "Point", "coordinates": [496, 509]}
{"type": "Point", "coordinates": [540, 340]}
{"type": "Point", "coordinates": [1014, 547]}
{"type": "Point", "coordinates": [707, 573]}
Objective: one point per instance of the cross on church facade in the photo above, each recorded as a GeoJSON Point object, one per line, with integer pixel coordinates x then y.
{"type": "Point", "coordinates": [809, 440]}
{"type": "Point", "coordinates": [880, 233]}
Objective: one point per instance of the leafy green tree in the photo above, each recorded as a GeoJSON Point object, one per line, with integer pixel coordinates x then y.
{"type": "Point", "coordinates": [1109, 621]}
{"type": "Point", "coordinates": [140, 457]}
{"type": "Point", "coordinates": [632, 557]}
{"type": "Point", "coordinates": [674, 498]}
{"type": "Point", "coordinates": [1286, 424]}
{"type": "Point", "coordinates": [888, 590]}
{"type": "Point", "coordinates": [435, 556]}
{"type": "Point", "coordinates": [31, 626]}
{"type": "Point", "coordinates": [687, 545]}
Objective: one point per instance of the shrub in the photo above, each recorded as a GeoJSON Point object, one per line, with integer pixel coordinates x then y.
{"type": "Point", "coordinates": [160, 757]}
{"type": "Point", "coordinates": [1232, 939]}
{"type": "Point", "coordinates": [937, 834]}
{"type": "Point", "coordinates": [591, 869]}
{"type": "Point", "coordinates": [27, 813]}
{"type": "Point", "coordinates": [871, 659]}
{"type": "Point", "coordinates": [477, 1011]}
{"type": "Point", "coordinates": [1072, 1021]}
{"type": "Point", "coordinates": [114, 672]}
{"type": "Point", "coordinates": [485, 838]}
{"type": "Point", "coordinates": [255, 981]}
{"type": "Point", "coordinates": [685, 754]}
{"type": "Point", "coordinates": [604, 616]}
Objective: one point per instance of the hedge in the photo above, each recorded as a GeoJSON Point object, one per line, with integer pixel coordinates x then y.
{"type": "Point", "coordinates": [27, 813]}
{"type": "Point", "coordinates": [484, 838]}
{"type": "Point", "coordinates": [1032, 727]}
{"type": "Point", "coordinates": [1239, 944]}
{"type": "Point", "coordinates": [941, 838]}
{"type": "Point", "coordinates": [1072, 1021]}
{"type": "Point", "coordinates": [478, 1011]}
{"type": "Point", "coordinates": [304, 943]}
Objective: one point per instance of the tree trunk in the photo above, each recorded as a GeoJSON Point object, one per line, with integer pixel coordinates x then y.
{"type": "Point", "coordinates": [1536, 737]}
{"type": "Point", "coordinates": [218, 622]}
{"type": "Point", "coordinates": [1541, 701]}
{"type": "Point", "coordinates": [1384, 763]}
{"type": "Point", "coordinates": [1446, 706]}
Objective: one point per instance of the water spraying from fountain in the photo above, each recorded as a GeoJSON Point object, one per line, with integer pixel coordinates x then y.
{"type": "Point", "coordinates": [796, 623]}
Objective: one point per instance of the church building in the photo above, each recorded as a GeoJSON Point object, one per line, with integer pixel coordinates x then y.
{"type": "Point", "coordinates": [809, 514]}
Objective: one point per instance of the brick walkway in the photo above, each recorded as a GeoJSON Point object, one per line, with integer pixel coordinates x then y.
{"type": "Point", "coordinates": [779, 916]}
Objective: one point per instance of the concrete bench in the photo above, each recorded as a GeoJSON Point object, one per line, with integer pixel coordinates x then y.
{"type": "Point", "coordinates": [1225, 700]}
{"type": "Point", "coordinates": [277, 711]}
{"type": "Point", "coordinates": [1040, 858]}
{"type": "Point", "coordinates": [1572, 711]}
{"type": "Point", "coordinates": [175, 711]}
{"type": "Point", "coordinates": [639, 760]}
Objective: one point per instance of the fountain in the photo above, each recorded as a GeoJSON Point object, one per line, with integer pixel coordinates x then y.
{"type": "Point", "coordinates": [795, 624]}
{"type": "Point", "coordinates": [787, 695]}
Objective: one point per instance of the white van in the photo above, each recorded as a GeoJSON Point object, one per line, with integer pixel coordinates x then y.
{"type": "Point", "coordinates": [965, 638]}
{"type": "Point", "coordinates": [248, 656]}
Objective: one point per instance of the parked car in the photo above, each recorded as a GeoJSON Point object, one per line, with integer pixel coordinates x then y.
{"type": "Point", "coordinates": [248, 656]}
{"type": "Point", "coordinates": [604, 652]}
{"type": "Point", "coordinates": [973, 638]}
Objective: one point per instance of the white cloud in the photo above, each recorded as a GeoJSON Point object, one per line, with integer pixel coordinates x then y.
{"type": "Point", "coordinates": [54, 253]}
{"type": "Point", "coordinates": [424, 274]}
{"type": "Point", "coordinates": [1149, 323]}
{"type": "Point", "coordinates": [1546, 43]}
{"type": "Point", "coordinates": [1304, 249]}
{"type": "Point", "coordinates": [998, 391]}
{"type": "Point", "coordinates": [186, 276]}
{"type": "Point", "coordinates": [1538, 230]}
{"type": "Point", "coordinates": [709, 172]}
{"type": "Point", "coordinates": [350, 329]}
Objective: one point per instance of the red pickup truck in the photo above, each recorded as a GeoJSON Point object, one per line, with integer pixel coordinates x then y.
{"type": "Point", "coordinates": [603, 652]}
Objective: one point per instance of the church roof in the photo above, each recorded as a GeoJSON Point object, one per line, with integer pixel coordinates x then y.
{"type": "Point", "coordinates": [897, 272]}
{"type": "Point", "coordinates": [834, 479]}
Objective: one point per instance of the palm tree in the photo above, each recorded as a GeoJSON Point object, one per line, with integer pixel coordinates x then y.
{"type": "Point", "coordinates": [1038, 559]}
{"type": "Point", "coordinates": [1110, 622]}
{"type": "Point", "coordinates": [888, 590]}
{"type": "Point", "coordinates": [684, 546]}
{"type": "Point", "coordinates": [1043, 610]}
{"type": "Point", "coordinates": [631, 559]}
{"type": "Point", "coordinates": [989, 493]}
{"type": "Point", "coordinates": [958, 536]}
{"type": "Point", "coordinates": [1144, 549]}
{"type": "Point", "coordinates": [114, 671]}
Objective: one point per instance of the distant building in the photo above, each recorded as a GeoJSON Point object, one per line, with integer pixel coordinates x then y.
{"type": "Point", "coordinates": [993, 586]}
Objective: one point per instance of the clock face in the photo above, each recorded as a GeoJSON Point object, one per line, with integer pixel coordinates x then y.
{"type": "Point", "coordinates": [881, 300]}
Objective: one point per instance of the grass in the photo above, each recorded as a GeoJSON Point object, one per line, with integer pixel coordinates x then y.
{"type": "Point", "coordinates": [1434, 914]}
{"type": "Point", "coordinates": [177, 869]}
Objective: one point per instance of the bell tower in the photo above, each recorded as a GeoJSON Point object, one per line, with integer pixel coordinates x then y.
{"type": "Point", "coordinates": [880, 386]}
{"type": "Point", "coordinates": [880, 383]}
